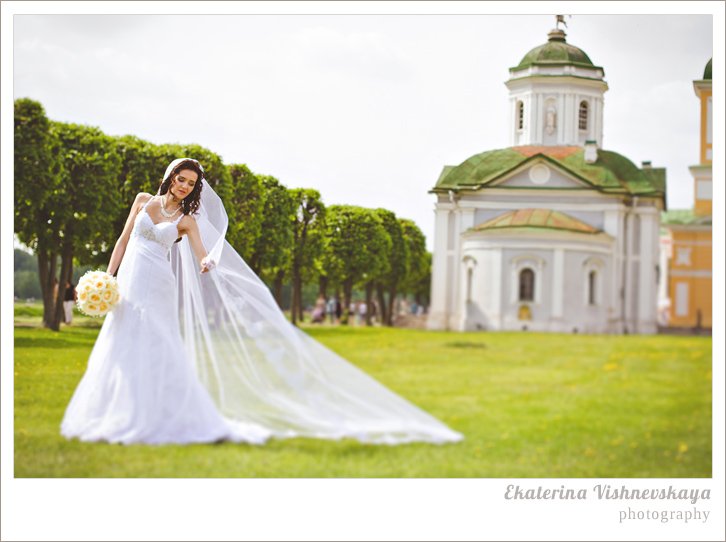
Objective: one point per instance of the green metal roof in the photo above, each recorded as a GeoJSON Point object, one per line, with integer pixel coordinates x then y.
{"type": "Point", "coordinates": [684, 217]}
{"type": "Point", "coordinates": [611, 173]}
{"type": "Point", "coordinates": [536, 219]}
{"type": "Point", "coordinates": [707, 71]}
{"type": "Point", "coordinates": [556, 52]}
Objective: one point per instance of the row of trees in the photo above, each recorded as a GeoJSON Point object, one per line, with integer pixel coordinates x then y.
{"type": "Point", "coordinates": [74, 187]}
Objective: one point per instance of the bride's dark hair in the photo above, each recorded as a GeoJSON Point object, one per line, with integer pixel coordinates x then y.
{"type": "Point", "coordinates": [190, 204]}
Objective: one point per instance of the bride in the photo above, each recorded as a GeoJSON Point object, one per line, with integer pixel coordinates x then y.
{"type": "Point", "coordinates": [197, 350]}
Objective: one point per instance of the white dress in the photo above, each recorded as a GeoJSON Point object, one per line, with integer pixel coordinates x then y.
{"type": "Point", "coordinates": [139, 386]}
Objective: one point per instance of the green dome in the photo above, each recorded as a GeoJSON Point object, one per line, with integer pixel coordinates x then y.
{"type": "Point", "coordinates": [611, 173]}
{"type": "Point", "coordinates": [556, 52]}
{"type": "Point", "coordinates": [707, 71]}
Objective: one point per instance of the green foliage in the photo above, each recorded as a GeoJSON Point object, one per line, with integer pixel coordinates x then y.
{"type": "Point", "coordinates": [398, 255]}
{"type": "Point", "coordinates": [25, 285]}
{"type": "Point", "coordinates": [357, 250]}
{"type": "Point", "coordinates": [357, 243]}
{"type": "Point", "coordinates": [36, 168]}
{"type": "Point", "coordinates": [142, 165]}
{"type": "Point", "coordinates": [273, 247]}
{"type": "Point", "coordinates": [244, 209]}
{"type": "Point", "coordinates": [74, 188]}
{"type": "Point", "coordinates": [594, 406]}
{"type": "Point", "coordinates": [85, 202]}
{"type": "Point", "coordinates": [24, 261]}
{"type": "Point", "coordinates": [418, 279]}
{"type": "Point", "coordinates": [308, 230]}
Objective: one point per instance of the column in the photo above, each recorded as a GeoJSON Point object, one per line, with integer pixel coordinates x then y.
{"type": "Point", "coordinates": [612, 228]}
{"type": "Point", "coordinates": [495, 307]}
{"type": "Point", "coordinates": [561, 116]}
{"type": "Point", "coordinates": [628, 272]}
{"type": "Point", "coordinates": [558, 280]}
{"type": "Point", "coordinates": [646, 271]}
{"type": "Point", "coordinates": [438, 315]}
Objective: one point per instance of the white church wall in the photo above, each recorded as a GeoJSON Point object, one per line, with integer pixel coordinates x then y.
{"type": "Point", "coordinates": [541, 262]}
{"type": "Point", "coordinates": [482, 296]}
{"type": "Point", "coordinates": [580, 315]}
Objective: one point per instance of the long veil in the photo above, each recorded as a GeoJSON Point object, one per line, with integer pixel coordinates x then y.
{"type": "Point", "coordinates": [263, 371]}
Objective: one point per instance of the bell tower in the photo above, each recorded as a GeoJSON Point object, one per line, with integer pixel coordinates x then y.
{"type": "Point", "coordinates": [556, 96]}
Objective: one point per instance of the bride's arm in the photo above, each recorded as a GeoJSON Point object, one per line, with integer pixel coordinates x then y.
{"type": "Point", "coordinates": [120, 248]}
{"type": "Point", "coordinates": [188, 225]}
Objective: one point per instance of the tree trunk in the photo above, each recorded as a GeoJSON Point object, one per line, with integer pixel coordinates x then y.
{"type": "Point", "coordinates": [46, 289]}
{"type": "Point", "coordinates": [65, 276]}
{"type": "Point", "coordinates": [347, 292]}
{"type": "Point", "coordinates": [293, 297]}
{"type": "Point", "coordinates": [323, 282]}
{"type": "Point", "coordinates": [392, 305]}
{"type": "Point", "coordinates": [49, 266]}
{"type": "Point", "coordinates": [381, 305]}
{"type": "Point", "coordinates": [369, 302]}
{"type": "Point", "coordinates": [299, 298]}
{"type": "Point", "coordinates": [278, 288]}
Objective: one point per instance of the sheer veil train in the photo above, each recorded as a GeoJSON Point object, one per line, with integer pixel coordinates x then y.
{"type": "Point", "coordinates": [261, 370]}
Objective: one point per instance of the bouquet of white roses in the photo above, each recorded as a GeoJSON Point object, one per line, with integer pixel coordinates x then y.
{"type": "Point", "coordinates": [97, 293]}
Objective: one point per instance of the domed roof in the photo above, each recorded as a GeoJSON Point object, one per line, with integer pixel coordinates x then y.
{"type": "Point", "coordinates": [612, 173]}
{"type": "Point", "coordinates": [707, 71]}
{"type": "Point", "coordinates": [556, 52]}
{"type": "Point", "coordinates": [536, 218]}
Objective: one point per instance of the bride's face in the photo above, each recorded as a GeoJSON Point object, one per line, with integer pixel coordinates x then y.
{"type": "Point", "coordinates": [184, 183]}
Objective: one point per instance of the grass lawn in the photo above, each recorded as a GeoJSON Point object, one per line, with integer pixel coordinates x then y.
{"type": "Point", "coordinates": [529, 405]}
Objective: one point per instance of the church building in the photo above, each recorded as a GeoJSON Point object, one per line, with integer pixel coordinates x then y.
{"type": "Point", "coordinates": [552, 233]}
{"type": "Point", "coordinates": [686, 294]}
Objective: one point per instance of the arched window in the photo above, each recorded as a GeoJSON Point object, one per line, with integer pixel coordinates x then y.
{"type": "Point", "coordinates": [526, 284]}
{"type": "Point", "coordinates": [469, 273]}
{"type": "Point", "coordinates": [591, 283]}
{"type": "Point", "coordinates": [583, 116]}
{"type": "Point", "coordinates": [520, 115]}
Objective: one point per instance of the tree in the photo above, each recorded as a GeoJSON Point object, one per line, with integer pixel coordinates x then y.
{"type": "Point", "coordinates": [357, 247]}
{"type": "Point", "coordinates": [272, 253]}
{"type": "Point", "coordinates": [421, 290]}
{"type": "Point", "coordinates": [140, 170]}
{"type": "Point", "coordinates": [419, 269]}
{"type": "Point", "coordinates": [244, 208]}
{"type": "Point", "coordinates": [398, 265]}
{"type": "Point", "coordinates": [82, 210]}
{"type": "Point", "coordinates": [37, 166]}
{"type": "Point", "coordinates": [309, 211]}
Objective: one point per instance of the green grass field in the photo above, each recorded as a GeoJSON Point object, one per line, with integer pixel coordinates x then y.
{"type": "Point", "coordinates": [529, 405]}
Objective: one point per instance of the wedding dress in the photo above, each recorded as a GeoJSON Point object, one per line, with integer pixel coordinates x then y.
{"type": "Point", "coordinates": [187, 357]}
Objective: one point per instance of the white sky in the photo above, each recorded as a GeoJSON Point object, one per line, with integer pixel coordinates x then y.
{"type": "Point", "coordinates": [367, 109]}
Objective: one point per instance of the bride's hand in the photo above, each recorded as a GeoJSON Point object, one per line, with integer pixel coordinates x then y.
{"type": "Point", "coordinates": [207, 264]}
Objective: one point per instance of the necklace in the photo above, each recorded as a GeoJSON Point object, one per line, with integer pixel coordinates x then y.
{"type": "Point", "coordinates": [163, 210]}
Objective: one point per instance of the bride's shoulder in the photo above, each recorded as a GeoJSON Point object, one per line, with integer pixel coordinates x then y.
{"type": "Point", "coordinates": [142, 198]}
{"type": "Point", "coordinates": [186, 222]}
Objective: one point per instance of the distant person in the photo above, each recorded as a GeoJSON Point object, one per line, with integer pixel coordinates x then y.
{"type": "Point", "coordinates": [330, 308]}
{"type": "Point", "coordinates": [353, 311]}
{"type": "Point", "coordinates": [68, 301]}
{"type": "Point", "coordinates": [55, 290]}
{"type": "Point", "coordinates": [362, 310]}
{"type": "Point", "coordinates": [319, 310]}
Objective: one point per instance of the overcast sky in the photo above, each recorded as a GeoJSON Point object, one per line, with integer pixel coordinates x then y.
{"type": "Point", "coordinates": [366, 109]}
